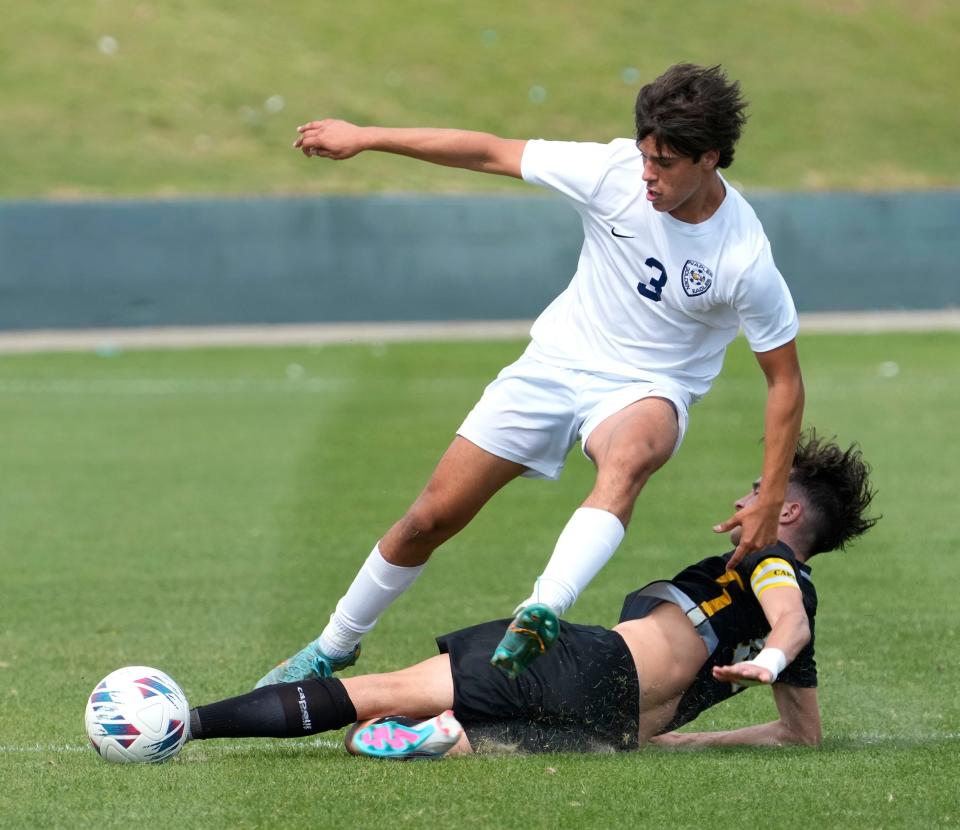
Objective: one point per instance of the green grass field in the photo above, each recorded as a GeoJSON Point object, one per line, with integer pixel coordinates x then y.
{"type": "Point", "coordinates": [185, 98]}
{"type": "Point", "coordinates": [201, 511]}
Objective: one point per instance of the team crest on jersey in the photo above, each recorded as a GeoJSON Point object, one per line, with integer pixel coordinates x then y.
{"type": "Point", "coordinates": [696, 278]}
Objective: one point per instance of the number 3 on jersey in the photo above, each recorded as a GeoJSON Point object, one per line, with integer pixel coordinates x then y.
{"type": "Point", "coordinates": [652, 290]}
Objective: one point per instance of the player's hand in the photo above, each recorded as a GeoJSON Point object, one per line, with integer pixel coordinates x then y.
{"type": "Point", "coordinates": [330, 138]}
{"type": "Point", "coordinates": [758, 523]}
{"type": "Point", "coordinates": [743, 674]}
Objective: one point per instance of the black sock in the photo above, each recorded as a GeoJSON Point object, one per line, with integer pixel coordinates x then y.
{"type": "Point", "coordinates": [287, 710]}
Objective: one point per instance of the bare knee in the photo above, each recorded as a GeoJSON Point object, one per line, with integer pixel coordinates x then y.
{"type": "Point", "coordinates": [620, 479]}
{"type": "Point", "coordinates": [428, 524]}
{"type": "Point", "coordinates": [422, 529]}
{"type": "Point", "coordinates": [630, 469]}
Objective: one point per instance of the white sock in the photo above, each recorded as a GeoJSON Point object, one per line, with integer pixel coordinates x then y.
{"type": "Point", "coordinates": [376, 585]}
{"type": "Point", "coordinates": [584, 547]}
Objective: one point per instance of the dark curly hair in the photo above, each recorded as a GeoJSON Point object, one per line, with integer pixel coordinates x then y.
{"type": "Point", "coordinates": [837, 490]}
{"type": "Point", "coordinates": [692, 109]}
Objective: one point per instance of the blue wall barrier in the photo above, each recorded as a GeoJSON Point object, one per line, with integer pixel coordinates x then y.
{"type": "Point", "coordinates": [376, 258]}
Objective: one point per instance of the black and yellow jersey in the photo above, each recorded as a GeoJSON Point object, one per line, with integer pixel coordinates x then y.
{"type": "Point", "coordinates": [724, 606]}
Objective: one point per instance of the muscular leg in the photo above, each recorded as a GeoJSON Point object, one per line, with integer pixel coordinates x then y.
{"type": "Point", "coordinates": [417, 691]}
{"type": "Point", "coordinates": [627, 448]}
{"type": "Point", "coordinates": [465, 479]}
{"type": "Point", "coordinates": [306, 707]}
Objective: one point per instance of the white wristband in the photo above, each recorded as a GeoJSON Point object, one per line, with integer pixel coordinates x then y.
{"type": "Point", "coordinates": [771, 659]}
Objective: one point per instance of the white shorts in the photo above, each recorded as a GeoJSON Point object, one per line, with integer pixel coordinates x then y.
{"type": "Point", "coordinates": [533, 413]}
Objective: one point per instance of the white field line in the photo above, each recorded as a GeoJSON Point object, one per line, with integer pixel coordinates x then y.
{"type": "Point", "coordinates": [220, 747]}
{"type": "Point", "coordinates": [320, 334]}
{"type": "Point", "coordinates": [295, 747]}
{"type": "Point", "coordinates": [178, 337]}
{"type": "Point", "coordinates": [871, 322]}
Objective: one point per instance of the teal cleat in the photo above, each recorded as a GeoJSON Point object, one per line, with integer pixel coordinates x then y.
{"type": "Point", "coordinates": [532, 632]}
{"type": "Point", "coordinates": [307, 663]}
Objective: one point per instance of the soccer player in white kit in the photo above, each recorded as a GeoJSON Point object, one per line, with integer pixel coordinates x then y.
{"type": "Point", "coordinates": [674, 262]}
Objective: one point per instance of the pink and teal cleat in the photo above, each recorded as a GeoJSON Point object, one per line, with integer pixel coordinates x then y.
{"type": "Point", "coordinates": [399, 738]}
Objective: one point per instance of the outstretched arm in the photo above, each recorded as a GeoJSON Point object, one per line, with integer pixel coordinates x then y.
{"type": "Point", "coordinates": [799, 721]}
{"type": "Point", "coordinates": [798, 725]}
{"type": "Point", "coordinates": [469, 150]}
{"type": "Point", "coordinates": [784, 414]}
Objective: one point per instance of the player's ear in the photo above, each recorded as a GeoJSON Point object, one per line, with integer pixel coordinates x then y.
{"type": "Point", "coordinates": [791, 512]}
{"type": "Point", "coordinates": [710, 159]}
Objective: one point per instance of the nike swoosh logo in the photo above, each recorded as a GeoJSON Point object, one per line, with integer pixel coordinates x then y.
{"type": "Point", "coordinates": [620, 235]}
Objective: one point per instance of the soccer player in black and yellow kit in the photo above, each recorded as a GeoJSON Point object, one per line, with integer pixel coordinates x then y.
{"type": "Point", "coordinates": [681, 646]}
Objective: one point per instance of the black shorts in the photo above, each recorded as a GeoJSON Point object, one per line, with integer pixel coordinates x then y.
{"type": "Point", "coordinates": [582, 695]}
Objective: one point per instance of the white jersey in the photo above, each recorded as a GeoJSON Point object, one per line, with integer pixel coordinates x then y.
{"type": "Point", "coordinates": [653, 298]}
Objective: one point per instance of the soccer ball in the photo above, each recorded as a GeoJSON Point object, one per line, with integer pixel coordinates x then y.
{"type": "Point", "coordinates": [137, 715]}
